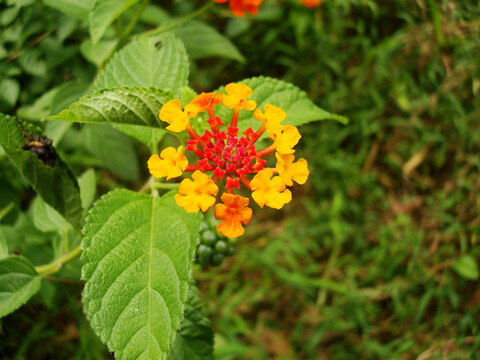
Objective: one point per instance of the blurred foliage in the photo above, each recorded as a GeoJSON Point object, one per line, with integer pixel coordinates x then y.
{"type": "Point", "coordinates": [378, 257]}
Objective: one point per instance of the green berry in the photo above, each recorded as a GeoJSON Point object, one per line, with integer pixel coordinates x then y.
{"type": "Point", "coordinates": [217, 259]}
{"type": "Point", "coordinates": [204, 260]}
{"type": "Point", "coordinates": [204, 254]}
{"type": "Point", "coordinates": [209, 238]}
{"type": "Point", "coordinates": [203, 249]}
{"type": "Point", "coordinates": [204, 226]}
{"type": "Point", "coordinates": [221, 247]}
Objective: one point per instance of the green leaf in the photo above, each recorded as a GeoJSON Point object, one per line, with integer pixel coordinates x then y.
{"type": "Point", "coordinates": [33, 62]}
{"type": "Point", "coordinates": [88, 187]}
{"type": "Point", "coordinates": [134, 106]}
{"type": "Point", "coordinates": [202, 40]}
{"type": "Point", "coordinates": [194, 340]}
{"type": "Point", "coordinates": [467, 267]}
{"type": "Point", "coordinates": [68, 93]}
{"type": "Point", "coordinates": [146, 135]}
{"type": "Point", "coordinates": [55, 130]}
{"type": "Point", "coordinates": [113, 148]}
{"type": "Point", "coordinates": [99, 52]}
{"type": "Point", "coordinates": [40, 108]}
{"type": "Point", "coordinates": [9, 91]}
{"type": "Point", "coordinates": [53, 101]}
{"type": "Point", "coordinates": [144, 64]}
{"type": "Point", "coordinates": [19, 283]}
{"type": "Point", "coordinates": [299, 108]}
{"type": "Point", "coordinates": [56, 185]}
{"type": "Point", "coordinates": [104, 13]}
{"type": "Point", "coordinates": [78, 9]}
{"type": "Point", "coordinates": [45, 218]}
{"type": "Point", "coordinates": [138, 253]}
{"type": "Point", "coordinates": [3, 246]}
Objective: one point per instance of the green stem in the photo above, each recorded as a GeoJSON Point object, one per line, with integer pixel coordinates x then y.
{"type": "Point", "coordinates": [180, 21]}
{"type": "Point", "coordinates": [6, 210]}
{"type": "Point", "coordinates": [158, 185]}
{"type": "Point", "coordinates": [56, 265]}
{"type": "Point", "coordinates": [134, 21]}
{"type": "Point", "coordinates": [147, 186]}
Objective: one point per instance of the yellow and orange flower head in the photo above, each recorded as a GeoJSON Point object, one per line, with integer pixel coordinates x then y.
{"type": "Point", "coordinates": [240, 7]}
{"type": "Point", "coordinates": [224, 155]}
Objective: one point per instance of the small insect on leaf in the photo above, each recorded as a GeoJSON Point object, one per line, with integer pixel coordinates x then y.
{"type": "Point", "coordinates": [42, 147]}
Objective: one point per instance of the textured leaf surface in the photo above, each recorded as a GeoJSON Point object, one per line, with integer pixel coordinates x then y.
{"type": "Point", "coordinates": [194, 340]}
{"type": "Point", "coordinates": [104, 13]}
{"type": "Point", "coordinates": [134, 106]}
{"type": "Point", "coordinates": [144, 64]}
{"type": "Point", "coordinates": [299, 108]}
{"type": "Point", "coordinates": [78, 9]}
{"type": "Point", "coordinates": [113, 148]}
{"type": "Point", "coordinates": [138, 252]}
{"type": "Point", "coordinates": [19, 282]}
{"type": "Point", "coordinates": [202, 40]}
{"type": "Point", "coordinates": [56, 185]}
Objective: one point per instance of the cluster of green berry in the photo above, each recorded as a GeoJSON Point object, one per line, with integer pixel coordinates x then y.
{"type": "Point", "coordinates": [213, 247]}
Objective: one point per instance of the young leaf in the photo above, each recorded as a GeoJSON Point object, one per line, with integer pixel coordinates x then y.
{"type": "Point", "coordinates": [299, 108]}
{"type": "Point", "coordinates": [138, 253]}
{"type": "Point", "coordinates": [159, 62]}
{"type": "Point", "coordinates": [194, 340]}
{"type": "Point", "coordinates": [202, 40]}
{"type": "Point", "coordinates": [104, 13]}
{"type": "Point", "coordinates": [113, 148]}
{"type": "Point", "coordinates": [134, 106]}
{"type": "Point", "coordinates": [19, 283]}
{"type": "Point", "coordinates": [56, 185]}
{"type": "Point", "coordinates": [78, 9]}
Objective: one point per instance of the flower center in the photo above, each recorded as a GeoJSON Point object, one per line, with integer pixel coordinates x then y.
{"type": "Point", "coordinates": [224, 153]}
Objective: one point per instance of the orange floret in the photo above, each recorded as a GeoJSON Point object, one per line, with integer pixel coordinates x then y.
{"type": "Point", "coordinates": [311, 3]}
{"type": "Point", "coordinates": [233, 213]}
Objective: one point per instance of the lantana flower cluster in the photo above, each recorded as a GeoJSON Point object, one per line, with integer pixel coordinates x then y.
{"type": "Point", "coordinates": [225, 156]}
{"type": "Point", "coordinates": [241, 7]}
